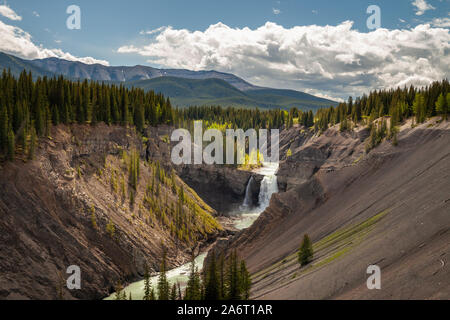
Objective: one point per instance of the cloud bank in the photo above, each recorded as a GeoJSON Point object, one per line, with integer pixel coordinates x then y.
{"type": "Point", "coordinates": [15, 41]}
{"type": "Point", "coordinates": [335, 61]}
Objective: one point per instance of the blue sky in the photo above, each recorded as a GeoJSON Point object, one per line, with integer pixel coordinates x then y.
{"type": "Point", "coordinates": [107, 26]}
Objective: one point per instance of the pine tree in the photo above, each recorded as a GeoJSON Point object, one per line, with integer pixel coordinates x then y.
{"type": "Point", "coordinates": [4, 125]}
{"type": "Point", "coordinates": [419, 108]}
{"type": "Point", "coordinates": [147, 283]}
{"type": "Point", "coordinates": [139, 117]}
{"type": "Point", "coordinates": [305, 254]}
{"type": "Point", "coordinates": [211, 280]}
{"type": "Point", "coordinates": [344, 124]}
{"type": "Point", "coordinates": [163, 284]}
{"type": "Point", "coordinates": [193, 287]}
{"type": "Point", "coordinates": [310, 122]}
{"type": "Point", "coordinates": [447, 99]}
{"type": "Point", "coordinates": [441, 106]}
{"type": "Point", "coordinates": [221, 274]}
{"type": "Point", "coordinates": [180, 296]}
{"type": "Point", "coordinates": [173, 292]}
{"type": "Point", "coordinates": [290, 122]}
{"type": "Point", "coordinates": [372, 138]}
{"type": "Point", "coordinates": [114, 107]}
{"type": "Point", "coordinates": [233, 278]}
{"type": "Point", "coordinates": [245, 281]}
{"type": "Point", "coordinates": [124, 109]}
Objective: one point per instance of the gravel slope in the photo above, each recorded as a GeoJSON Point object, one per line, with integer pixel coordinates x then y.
{"type": "Point", "coordinates": [335, 191]}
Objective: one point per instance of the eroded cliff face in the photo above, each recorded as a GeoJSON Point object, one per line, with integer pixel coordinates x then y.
{"type": "Point", "coordinates": [387, 207]}
{"type": "Point", "coordinates": [330, 151]}
{"type": "Point", "coordinates": [223, 188]}
{"type": "Point", "coordinates": [72, 205]}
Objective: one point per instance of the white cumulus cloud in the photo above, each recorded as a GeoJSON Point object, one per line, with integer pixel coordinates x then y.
{"type": "Point", "coordinates": [154, 31]}
{"type": "Point", "coordinates": [441, 22]}
{"type": "Point", "coordinates": [276, 11]}
{"type": "Point", "coordinates": [334, 61]}
{"type": "Point", "coordinates": [9, 13]}
{"type": "Point", "coordinates": [16, 41]}
{"type": "Point", "coordinates": [422, 6]}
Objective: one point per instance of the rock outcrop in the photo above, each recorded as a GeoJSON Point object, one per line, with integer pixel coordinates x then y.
{"type": "Point", "coordinates": [223, 188]}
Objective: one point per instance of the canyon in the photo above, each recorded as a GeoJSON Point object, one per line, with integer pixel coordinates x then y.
{"type": "Point", "coordinates": [388, 207]}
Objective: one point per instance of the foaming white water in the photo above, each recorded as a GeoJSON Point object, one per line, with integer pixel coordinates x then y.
{"type": "Point", "coordinates": [268, 169]}
{"type": "Point", "coordinates": [248, 195]}
{"type": "Point", "coordinates": [269, 186]}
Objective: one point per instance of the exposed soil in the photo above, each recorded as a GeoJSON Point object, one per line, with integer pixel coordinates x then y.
{"type": "Point", "coordinates": [46, 209]}
{"type": "Point", "coordinates": [390, 207]}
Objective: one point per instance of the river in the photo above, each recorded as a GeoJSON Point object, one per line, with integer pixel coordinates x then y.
{"type": "Point", "coordinates": [243, 218]}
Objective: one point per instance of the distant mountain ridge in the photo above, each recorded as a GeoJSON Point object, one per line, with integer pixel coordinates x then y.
{"type": "Point", "coordinates": [186, 92]}
{"type": "Point", "coordinates": [100, 72]}
{"type": "Point", "coordinates": [185, 87]}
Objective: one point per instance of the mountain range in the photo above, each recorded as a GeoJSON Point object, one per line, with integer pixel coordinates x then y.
{"type": "Point", "coordinates": [184, 87]}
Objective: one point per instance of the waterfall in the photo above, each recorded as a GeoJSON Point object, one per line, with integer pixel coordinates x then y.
{"type": "Point", "coordinates": [248, 201]}
{"type": "Point", "coordinates": [269, 186]}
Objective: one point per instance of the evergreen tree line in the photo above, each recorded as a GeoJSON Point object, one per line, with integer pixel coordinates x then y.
{"type": "Point", "coordinates": [399, 104]}
{"type": "Point", "coordinates": [238, 118]}
{"type": "Point", "coordinates": [29, 108]}
{"type": "Point", "coordinates": [221, 279]}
